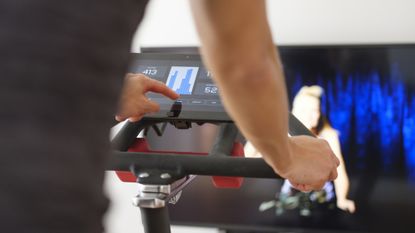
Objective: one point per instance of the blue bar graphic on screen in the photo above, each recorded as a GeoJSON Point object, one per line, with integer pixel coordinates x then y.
{"type": "Point", "coordinates": [182, 79]}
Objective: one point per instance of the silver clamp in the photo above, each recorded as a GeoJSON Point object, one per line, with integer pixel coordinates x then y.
{"type": "Point", "coordinates": [152, 196]}
{"type": "Point", "coordinates": [156, 196]}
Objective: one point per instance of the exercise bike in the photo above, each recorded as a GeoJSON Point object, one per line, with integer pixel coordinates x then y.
{"type": "Point", "coordinates": [161, 176]}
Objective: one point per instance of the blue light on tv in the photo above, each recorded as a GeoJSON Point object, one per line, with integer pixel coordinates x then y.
{"type": "Point", "coordinates": [374, 114]}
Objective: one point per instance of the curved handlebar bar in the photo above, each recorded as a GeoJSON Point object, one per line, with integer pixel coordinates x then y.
{"type": "Point", "coordinates": [190, 164]}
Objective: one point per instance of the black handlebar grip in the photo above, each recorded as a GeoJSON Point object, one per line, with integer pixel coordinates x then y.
{"type": "Point", "coordinates": [224, 141]}
{"type": "Point", "coordinates": [127, 134]}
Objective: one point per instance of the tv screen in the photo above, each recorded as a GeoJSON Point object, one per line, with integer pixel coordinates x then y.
{"type": "Point", "coordinates": [366, 98]}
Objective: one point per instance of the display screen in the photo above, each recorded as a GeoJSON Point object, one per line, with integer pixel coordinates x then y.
{"type": "Point", "coordinates": [199, 96]}
{"type": "Point", "coordinates": [367, 94]}
{"type": "Point", "coordinates": [368, 99]}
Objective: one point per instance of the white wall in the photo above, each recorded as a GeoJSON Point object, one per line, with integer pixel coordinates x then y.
{"type": "Point", "coordinates": [342, 21]}
{"type": "Point", "coordinates": [169, 23]}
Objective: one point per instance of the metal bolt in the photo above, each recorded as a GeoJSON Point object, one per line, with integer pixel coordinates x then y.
{"type": "Point", "coordinates": [143, 175]}
{"type": "Point", "coordinates": [165, 176]}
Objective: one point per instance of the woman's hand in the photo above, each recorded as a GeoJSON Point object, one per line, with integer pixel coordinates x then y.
{"type": "Point", "coordinates": [346, 205]}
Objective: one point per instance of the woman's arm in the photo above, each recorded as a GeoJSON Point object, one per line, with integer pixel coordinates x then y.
{"type": "Point", "coordinates": [342, 182]}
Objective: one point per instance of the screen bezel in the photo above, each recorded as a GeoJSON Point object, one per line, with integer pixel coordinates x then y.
{"type": "Point", "coordinates": [185, 114]}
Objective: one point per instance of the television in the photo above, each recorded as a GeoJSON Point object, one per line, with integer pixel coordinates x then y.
{"type": "Point", "coordinates": [369, 99]}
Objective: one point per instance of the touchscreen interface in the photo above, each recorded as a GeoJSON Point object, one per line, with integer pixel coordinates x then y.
{"type": "Point", "coordinates": [185, 74]}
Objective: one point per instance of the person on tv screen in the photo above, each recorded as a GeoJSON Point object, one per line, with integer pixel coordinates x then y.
{"type": "Point", "coordinates": [307, 108]}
